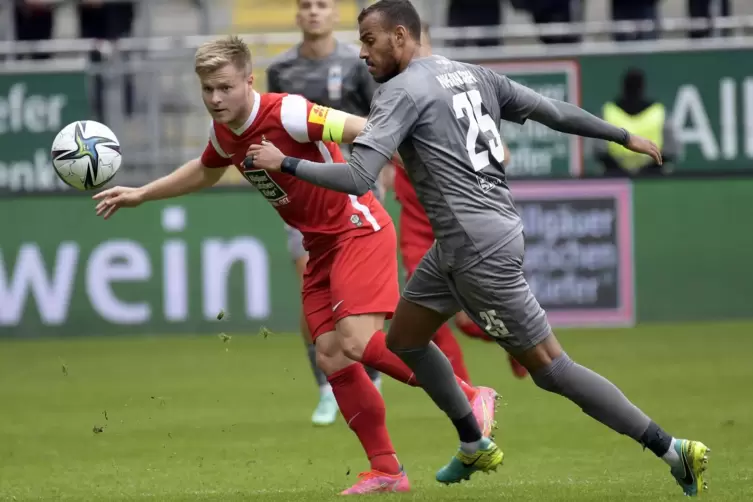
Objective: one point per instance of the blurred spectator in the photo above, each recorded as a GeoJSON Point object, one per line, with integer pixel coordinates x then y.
{"type": "Point", "coordinates": [463, 13]}
{"type": "Point", "coordinates": [707, 9]}
{"type": "Point", "coordinates": [633, 111]}
{"type": "Point", "coordinates": [635, 10]}
{"type": "Point", "coordinates": [106, 21]}
{"type": "Point", "coordinates": [33, 21]}
{"type": "Point", "coordinates": [551, 11]}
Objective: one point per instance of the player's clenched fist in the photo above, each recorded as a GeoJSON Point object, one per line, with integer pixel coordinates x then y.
{"type": "Point", "coordinates": [112, 199]}
{"type": "Point", "coordinates": [265, 156]}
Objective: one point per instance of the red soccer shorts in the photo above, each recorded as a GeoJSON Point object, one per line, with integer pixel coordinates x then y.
{"type": "Point", "coordinates": [416, 237]}
{"type": "Point", "coordinates": [356, 276]}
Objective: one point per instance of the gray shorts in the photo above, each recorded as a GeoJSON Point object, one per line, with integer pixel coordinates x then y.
{"type": "Point", "coordinates": [295, 243]}
{"type": "Point", "coordinates": [493, 293]}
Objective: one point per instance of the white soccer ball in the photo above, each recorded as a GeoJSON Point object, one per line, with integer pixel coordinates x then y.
{"type": "Point", "coordinates": [86, 154]}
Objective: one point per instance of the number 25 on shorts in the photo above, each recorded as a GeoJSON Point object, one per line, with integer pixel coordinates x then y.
{"type": "Point", "coordinates": [494, 326]}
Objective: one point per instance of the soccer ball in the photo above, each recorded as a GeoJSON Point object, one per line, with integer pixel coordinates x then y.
{"type": "Point", "coordinates": [86, 154]}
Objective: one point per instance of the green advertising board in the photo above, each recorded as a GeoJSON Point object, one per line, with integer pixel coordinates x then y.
{"type": "Point", "coordinates": [536, 150]}
{"type": "Point", "coordinates": [168, 266]}
{"type": "Point", "coordinates": [708, 95]}
{"type": "Point", "coordinates": [173, 266]}
{"type": "Point", "coordinates": [597, 253]}
{"type": "Point", "coordinates": [34, 106]}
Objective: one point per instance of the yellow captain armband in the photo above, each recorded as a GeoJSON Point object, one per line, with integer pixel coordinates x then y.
{"type": "Point", "coordinates": [334, 126]}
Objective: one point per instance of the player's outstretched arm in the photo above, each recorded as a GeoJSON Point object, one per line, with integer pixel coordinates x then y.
{"type": "Point", "coordinates": [570, 119]}
{"type": "Point", "coordinates": [189, 177]}
{"type": "Point", "coordinates": [519, 103]}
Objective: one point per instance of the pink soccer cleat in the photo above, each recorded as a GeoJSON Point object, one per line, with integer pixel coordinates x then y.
{"type": "Point", "coordinates": [379, 482]}
{"type": "Point", "coordinates": [484, 407]}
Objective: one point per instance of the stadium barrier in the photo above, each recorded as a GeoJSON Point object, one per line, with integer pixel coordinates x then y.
{"type": "Point", "coordinates": [599, 253]}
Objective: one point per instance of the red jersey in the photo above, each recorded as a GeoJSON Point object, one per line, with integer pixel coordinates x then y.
{"type": "Point", "coordinates": [295, 126]}
{"type": "Point", "coordinates": [413, 219]}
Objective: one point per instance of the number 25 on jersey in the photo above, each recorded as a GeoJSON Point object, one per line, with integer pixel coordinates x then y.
{"type": "Point", "coordinates": [468, 104]}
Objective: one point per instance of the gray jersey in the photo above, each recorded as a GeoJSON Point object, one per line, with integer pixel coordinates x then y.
{"type": "Point", "coordinates": [340, 81]}
{"type": "Point", "coordinates": [443, 117]}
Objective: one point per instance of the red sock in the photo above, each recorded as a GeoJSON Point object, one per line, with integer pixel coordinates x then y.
{"type": "Point", "coordinates": [363, 409]}
{"type": "Point", "coordinates": [447, 343]}
{"type": "Point", "coordinates": [379, 357]}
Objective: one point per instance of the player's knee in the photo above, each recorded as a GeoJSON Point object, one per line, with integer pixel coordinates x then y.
{"type": "Point", "coordinates": [353, 345]}
{"type": "Point", "coordinates": [329, 356]}
{"type": "Point", "coordinates": [552, 377]}
{"type": "Point", "coordinates": [355, 332]}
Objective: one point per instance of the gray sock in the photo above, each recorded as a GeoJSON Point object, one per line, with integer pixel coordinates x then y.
{"type": "Point", "coordinates": [319, 376]}
{"type": "Point", "coordinates": [596, 396]}
{"type": "Point", "coordinates": [434, 372]}
{"type": "Point", "coordinates": [373, 374]}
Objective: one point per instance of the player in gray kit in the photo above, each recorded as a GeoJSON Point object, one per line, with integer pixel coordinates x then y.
{"type": "Point", "coordinates": [442, 116]}
{"type": "Point", "coordinates": [328, 73]}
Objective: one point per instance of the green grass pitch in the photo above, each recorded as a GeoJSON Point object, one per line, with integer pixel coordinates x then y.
{"type": "Point", "coordinates": [202, 418]}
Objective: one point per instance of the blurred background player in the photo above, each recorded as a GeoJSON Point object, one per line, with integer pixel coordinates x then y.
{"type": "Point", "coordinates": [328, 73]}
{"type": "Point", "coordinates": [416, 237]}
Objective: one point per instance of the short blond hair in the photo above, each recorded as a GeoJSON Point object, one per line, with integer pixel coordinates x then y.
{"type": "Point", "coordinates": [211, 56]}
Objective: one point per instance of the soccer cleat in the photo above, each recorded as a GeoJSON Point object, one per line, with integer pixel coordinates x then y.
{"type": "Point", "coordinates": [326, 411]}
{"type": "Point", "coordinates": [488, 458]}
{"type": "Point", "coordinates": [689, 474]}
{"type": "Point", "coordinates": [379, 482]}
{"type": "Point", "coordinates": [484, 407]}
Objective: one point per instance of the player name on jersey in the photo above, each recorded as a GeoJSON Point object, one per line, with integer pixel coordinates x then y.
{"type": "Point", "coordinates": [456, 79]}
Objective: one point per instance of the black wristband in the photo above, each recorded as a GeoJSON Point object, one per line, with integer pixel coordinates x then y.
{"type": "Point", "coordinates": [627, 137]}
{"type": "Point", "coordinates": [289, 165]}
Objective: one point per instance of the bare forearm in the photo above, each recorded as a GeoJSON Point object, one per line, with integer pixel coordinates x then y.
{"type": "Point", "coordinates": [353, 127]}
{"type": "Point", "coordinates": [190, 177]}
{"type": "Point", "coordinates": [570, 119]}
